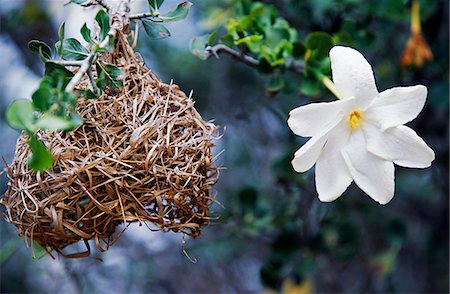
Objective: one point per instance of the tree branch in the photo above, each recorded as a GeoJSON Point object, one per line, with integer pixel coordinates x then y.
{"type": "Point", "coordinates": [103, 4]}
{"type": "Point", "coordinates": [142, 15]}
{"type": "Point", "coordinates": [68, 62]}
{"type": "Point", "coordinates": [91, 79]}
{"type": "Point", "coordinates": [294, 66]}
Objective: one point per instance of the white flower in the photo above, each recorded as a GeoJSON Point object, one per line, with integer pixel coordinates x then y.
{"type": "Point", "coordinates": [361, 136]}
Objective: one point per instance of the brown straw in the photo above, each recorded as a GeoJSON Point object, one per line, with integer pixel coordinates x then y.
{"type": "Point", "coordinates": [142, 155]}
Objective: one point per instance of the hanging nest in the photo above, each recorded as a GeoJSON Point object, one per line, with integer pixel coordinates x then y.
{"type": "Point", "coordinates": [143, 154]}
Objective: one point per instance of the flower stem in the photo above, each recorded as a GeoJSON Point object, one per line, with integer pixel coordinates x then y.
{"type": "Point", "coordinates": [415, 17]}
{"type": "Point", "coordinates": [331, 86]}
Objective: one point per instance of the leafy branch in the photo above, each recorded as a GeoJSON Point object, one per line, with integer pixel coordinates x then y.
{"type": "Point", "coordinates": [256, 35]}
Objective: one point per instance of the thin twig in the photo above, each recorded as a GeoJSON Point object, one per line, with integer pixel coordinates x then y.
{"type": "Point", "coordinates": [297, 66]}
{"type": "Point", "coordinates": [103, 4]}
{"type": "Point", "coordinates": [142, 15]}
{"type": "Point", "coordinates": [68, 62]}
{"type": "Point", "coordinates": [118, 19]}
{"type": "Point", "coordinates": [219, 48]}
{"type": "Point", "coordinates": [91, 79]}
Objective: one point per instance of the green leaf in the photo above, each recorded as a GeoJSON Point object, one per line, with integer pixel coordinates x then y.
{"type": "Point", "coordinates": [274, 86]}
{"type": "Point", "coordinates": [53, 69]}
{"type": "Point", "coordinates": [86, 33]}
{"type": "Point", "coordinates": [180, 12]}
{"type": "Point", "coordinates": [155, 31]}
{"type": "Point", "coordinates": [155, 4]}
{"type": "Point", "coordinates": [88, 94]}
{"type": "Point", "coordinates": [38, 251]}
{"type": "Point", "coordinates": [212, 38]}
{"type": "Point", "coordinates": [299, 50]}
{"type": "Point", "coordinates": [51, 122]}
{"type": "Point", "coordinates": [108, 76]}
{"type": "Point", "coordinates": [41, 48]}
{"type": "Point", "coordinates": [102, 19]}
{"type": "Point", "coordinates": [41, 158]}
{"type": "Point", "coordinates": [20, 116]}
{"type": "Point", "coordinates": [310, 86]}
{"type": "Point", "coordinates": [59, 44]}
{"type": "Point", "coordinates": [249, 39]}
{"type": "Point", "coordinates": [198, 45]}
{"type": "Point", "coordinates": [321, 42]}
{"type": "Point", "coordinates": [76, 120]}
{"type": "Point", "coordinates": [227, 40]}
{"type": "Point", "coordinates": [69, 98]}
{"type": "Point", "coordinates": [264, 66]}
{"type": "Point", "coordinates": [73, 50]}
{"type": "Point", "coordinates": [42, 97]}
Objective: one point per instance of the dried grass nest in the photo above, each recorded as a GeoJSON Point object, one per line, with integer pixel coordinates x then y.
{"type": "Point", "coordinates": [142, 155]}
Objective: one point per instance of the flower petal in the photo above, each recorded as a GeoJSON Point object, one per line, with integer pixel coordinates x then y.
{"type": "Point", "coordinates": [352, 74]}
{"type": "Point", "coordinates": [307, 155]}
{"type": "Point", "coordinates": [399, 144]}
{"type": "Point", "coordinates": [332, 174]}
{"type": "Point", "coordinates": [309, 120]}
{"type": "Point", "coordinates": [397, 106]}
{"type": "Point", "coordinates": [373, 174]}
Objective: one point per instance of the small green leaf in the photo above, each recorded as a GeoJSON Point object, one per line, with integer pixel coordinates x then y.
{"type": "Point", "coordinates": [108, 76]}
{"type": "Point", "coordinates": [88, 94]}
{"type": "Point", "coordinates": [99, 49]}
{"type": "Point", "coordinates": [264, 66]}
{"type": "Point", "coordinates": [69, 98]}
{"type": "Point", "coordinates": [198, 45]}
{"type": "Point", "coordinates": [20, 116]}
{"type": "Point", "coordinates": [155, 4]}
{"type": "Point", "coordinates": [102, 19]}
{"type": "Point", "coordinates": [274, 85]}
{"type": "Point", "coordinates": [86, 33]}
{"type": "Point", "coordinates": [42, 97]}
{"type": "Point", "coordinates": [41, 158]}
{"type": "Point", "coordinates": [212, 38]}
{"type": "Point", "coordinates": [249, 39]}
{"type": "Point", "coordinates": [73, 50]}
{"type": "Point", "coordinates": [76, 120]}
{"type": "Point", "coordinates": [38, 250]}
{"type": "Point", "coordinates": [180, 12]}
{"type": "Point", "coordinates": [310, 86]}
{"type": "Point", "coordinates": [53, 69]}
{"type": "Point", "coordinates": [155, 31]}
{"type": "Point", "coordinates": [51, 122]}
{"type": "Point", "coordinates": [60, 43]}
{"type": "Point", "coordinates": [227, 40]}
{"type": "Point", "coordinates": [43, 56]}
{"type": "Point", "coordinates": [41, 48]}
{"type": "Point", "coordinates": [321, 42]}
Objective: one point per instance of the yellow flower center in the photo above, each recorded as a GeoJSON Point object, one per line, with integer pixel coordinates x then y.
{"type": "Point", "coordinates": [354, 119]}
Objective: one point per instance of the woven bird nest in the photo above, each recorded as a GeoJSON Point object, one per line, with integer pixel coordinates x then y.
{"type": "Point", "coordinates": [141, 155]}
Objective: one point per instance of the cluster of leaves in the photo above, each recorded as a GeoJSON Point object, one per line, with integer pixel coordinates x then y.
{"type": "Point", "coordinates": [52, 106]}
{"type": "Point", "coordinates": [256, 29]}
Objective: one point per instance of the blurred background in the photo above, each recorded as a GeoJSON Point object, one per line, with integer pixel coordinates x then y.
{"type": "Point", "coordinates": [273, 234]}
